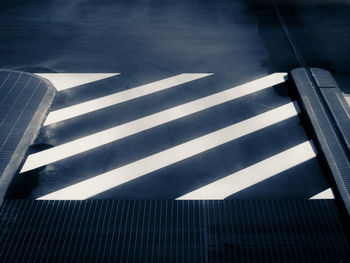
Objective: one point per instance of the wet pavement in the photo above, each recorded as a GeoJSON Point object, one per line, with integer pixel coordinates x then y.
{"type": "Point", "coordinates": [325, 37]}
{"type": "Point", "coordinates": [236, 42]}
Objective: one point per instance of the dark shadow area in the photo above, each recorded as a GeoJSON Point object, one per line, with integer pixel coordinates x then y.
{"type": "Point", "coordinates": [282, 90]}
{"type": "Point", "coordinates": [322, 34]}
{"type": "Point", "coordinates": [22, 185]}
{"type": "Point", "coordinates": [37, 147]}
{"type": "Point", "coordinates": [343, 81]}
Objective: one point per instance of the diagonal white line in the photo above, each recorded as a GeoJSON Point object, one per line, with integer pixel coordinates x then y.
{"type": "Point", "coordinates": [326, 194]}
{"type": "Point", "coordinates": [63, 81]}
{"type": "Point", "coordinates": [254, 174]}
{"type": "Point", "coordinates": [119, 97]}
{"type": "Point", "coordinates": [106, 181]}
{"type": "Point", "coordinates": [116, 133]}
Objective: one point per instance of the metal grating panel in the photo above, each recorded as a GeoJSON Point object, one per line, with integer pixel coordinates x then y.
{"type": "Point", "coordinates": [172, 231]}
{"type": "Point", "coordinates": [24, 101]}
{"type": "Point", "coordinates": [336, 103]}
{"type": "Point", "coordinates": [334, 100]}
{"type": "Point", "coordinates": [323, 78]}
{"type": "Point", "coordinates": [326, 135]}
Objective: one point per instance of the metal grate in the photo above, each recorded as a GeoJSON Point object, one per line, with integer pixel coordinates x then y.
{"type": "Point", "coordinates": [24, 101]}
{"type": "Point", "coordinates": [172, 231]}
{"type": "Point", "coordinates": [326, 136]}
{"type": "Point", "coordinates": [336, 104]}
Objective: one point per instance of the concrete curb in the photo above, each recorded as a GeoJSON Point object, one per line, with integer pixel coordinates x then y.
{"type": "Point", "coordinates": [328, 116]}
{"type": "Point", "coordinates": [37, 117]}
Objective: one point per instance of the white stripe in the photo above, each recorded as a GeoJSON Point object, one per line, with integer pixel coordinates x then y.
{"type": "Point", "coordinates": [254, 174]}
{"type": "Point", "coordinates": [119, 97]}
{"type": "Point", "coordinates": [116, 133]}
{"type": "Point", "coordinates": [326, 194]}
{"type": "Point", "coordinates": [106, 181]}
{"type": "Point", "coordinates": [347, 98]}
{"type": "Point", "coordinates": [63, 81]}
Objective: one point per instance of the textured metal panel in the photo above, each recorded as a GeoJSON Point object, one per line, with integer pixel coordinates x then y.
{"type": "Point", "coordinates": [336, 104]}
{"type": "Point", "coordinates": [273, 231]}
{"type": "Point", "coordinates": [323, 78]}
{"type": "Point", "coordinates": [172, 231]}
{"type": "Point", "coordinates": [24, 101]}
{"type": "Point", "coordinates": [326, 135]}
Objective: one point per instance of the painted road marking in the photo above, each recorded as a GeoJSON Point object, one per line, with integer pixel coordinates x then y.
{"type": "Point", "coordinates": [326, 194]}
{"type": "Point", "coordinates": [113, 178]}
{"type": "Point", "coordinates": [69, 149]}
{"type": "Point", "coordinates": [63, 81]}
{"type": "Point", "coordinates": [253, 174]}
{"type": "Point", "coordinates": [119, 97]}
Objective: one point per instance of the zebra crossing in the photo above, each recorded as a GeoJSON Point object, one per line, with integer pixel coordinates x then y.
{"type": "Point", "coordinates": [127, 129]}
{"type": "Point", "coordinates": [168, 151]}
{"type": "Point", "coordinates": [119, 97]}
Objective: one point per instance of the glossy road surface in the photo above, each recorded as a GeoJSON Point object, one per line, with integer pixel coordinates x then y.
{"type": "Point", "coordinates": [196, 104]}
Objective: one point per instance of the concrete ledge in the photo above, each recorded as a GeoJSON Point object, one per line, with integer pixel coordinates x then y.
{"type": "Point", "coordinates": [24, 103]}
{"type": "Point", "coordinates": [327, 114]}
{"type": "Point", "coordinates": [336, 104]}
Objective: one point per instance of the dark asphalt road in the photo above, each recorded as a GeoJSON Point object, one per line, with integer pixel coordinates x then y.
{"type": "Point", "coordinates": [146, 41]}
{"type": "Point", "coordinates": [322, 34]}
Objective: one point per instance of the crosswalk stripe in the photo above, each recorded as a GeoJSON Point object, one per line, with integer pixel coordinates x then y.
{"type": "Point", "coordinates": [108, 180]}
{"type": "Point", "coordinates": [116, 133]}
{"type": "Point", "coordinates": [119, 97]}
{"type": "Point", "coordinates": [253, 174]}
{"type": "Point", "coordinates": [63, 81]}
{"type": "Point", "coordinates": [326, 194]}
